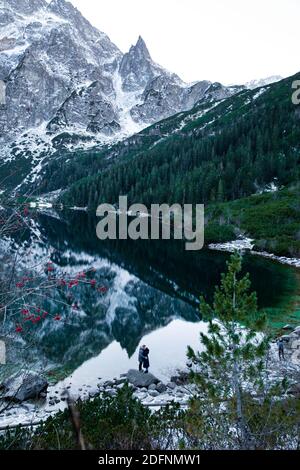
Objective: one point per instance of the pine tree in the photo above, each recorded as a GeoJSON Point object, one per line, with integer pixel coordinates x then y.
{"type": "Point", "coordinates": [232, 362]}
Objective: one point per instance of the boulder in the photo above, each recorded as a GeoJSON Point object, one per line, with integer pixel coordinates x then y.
{"type": "Point", "coordinates": [93, 393]}
{"type": "Point", "coordinates": [121, 381]}
{"type": "Point", "coordinates": [161, 388]}
{"type": "Point", "coordinates": [109, 383]}
{"type": "Point", "coordinates": [152, 387]}
{"type": "Point", "coordinates": [111, 392]}
{"type": "Point", "coordinates": [171, 385]}
{"type": "Point", "coordinates": [181, 378]}
{"type": "Point", "coordinates": [153, 393]}
{"type": "Point", "coordinates": [24, 386]}
{"type": "Point", "coordinates": [140, 379]}
{"type": "Point", "coordinates": [120, 386]}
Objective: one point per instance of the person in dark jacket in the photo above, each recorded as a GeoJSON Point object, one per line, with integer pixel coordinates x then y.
{"type": "Point", "coordinates": [146, 363]}
{"type": "Point", "coordinates": [141, 357]}
{"type": "Point", "coordinates": [280, 349]}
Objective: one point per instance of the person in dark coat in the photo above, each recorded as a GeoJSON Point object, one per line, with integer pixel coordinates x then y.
{"type": "Point", "coordinates": [141, 357]}
{"type": "Point", "coordinates": [280, 349]}
{"type": "Point", "coordinates": [146, 363]}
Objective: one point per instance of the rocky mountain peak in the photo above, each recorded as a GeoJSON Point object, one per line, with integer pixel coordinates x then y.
{"type": "Point", "coordinates": [63, 8]}
{"type": "Point", "coordinates": [25, 6]}
{"type": "Point", "coordinates": [140, 49]}
{"type": "Point", "coordinates": [64, 76]}
{"type": "Point", "coordinates": [137, 68]}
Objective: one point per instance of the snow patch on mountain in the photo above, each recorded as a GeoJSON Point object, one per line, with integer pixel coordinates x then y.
{"type": "Point", "coordinates": [257, 83]}
{"type": "Point", "coordinates": [125, 101]}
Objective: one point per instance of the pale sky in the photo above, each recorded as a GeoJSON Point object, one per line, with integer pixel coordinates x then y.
{"type": "Point", "coordinates": [231, 41]}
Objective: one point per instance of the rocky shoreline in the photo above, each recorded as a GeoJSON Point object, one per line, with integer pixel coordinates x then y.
{"type": "Point", "coordinates": [150, 390]}
{"type": "Point", "coordinates": [246, 244]}
{"type": "Point", "coordinates": [32, 400]}
{"type": "Point", "coordinates": [146, 387]}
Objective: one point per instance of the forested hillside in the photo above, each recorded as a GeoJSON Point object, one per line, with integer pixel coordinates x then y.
{"type": "Point", "coordinates": [224, 152]}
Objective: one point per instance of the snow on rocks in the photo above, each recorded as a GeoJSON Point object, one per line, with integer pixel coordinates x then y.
{"type": "Point", "coordinates": [240, 245]}
{"type": "Point", "coordinates": [280, 259]}
{"type": "Point", "coordinates": [22, 387]}
{"type": "Point", "coordinates": [247, 244]}
{"type": "Point", "coordinates": [156, 394]}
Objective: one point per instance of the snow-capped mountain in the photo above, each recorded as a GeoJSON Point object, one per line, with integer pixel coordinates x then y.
{"type": "Point", "coordinates": [262, 82]}
{"type": "Point", "coordinates": [62, 75]}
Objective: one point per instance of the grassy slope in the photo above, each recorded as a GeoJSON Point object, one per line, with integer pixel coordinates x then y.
{"type": "Point", "coordinates": [272, 219]}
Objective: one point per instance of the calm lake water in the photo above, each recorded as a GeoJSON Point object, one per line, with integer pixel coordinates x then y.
{"type": "Point", "coordinates": [152, 297]}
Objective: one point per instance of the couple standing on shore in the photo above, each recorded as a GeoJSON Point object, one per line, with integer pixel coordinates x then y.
{"type": "Point", "coordinates": [144, 358]}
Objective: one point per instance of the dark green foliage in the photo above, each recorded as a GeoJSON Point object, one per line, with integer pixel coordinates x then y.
{"type": "Point", "coordinates": [271, 219]}
{"type": "Point", "coordinates": [239, 145]}
{"type": "Point", "coordinates": [237, 404]}
{"type": "Point", "coordinates": [106, 423]}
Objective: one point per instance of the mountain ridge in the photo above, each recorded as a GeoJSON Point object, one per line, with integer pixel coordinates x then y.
{"type": "Point", "coordinates": [69, 87]}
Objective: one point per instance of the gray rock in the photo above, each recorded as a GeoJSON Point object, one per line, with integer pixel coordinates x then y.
{"type": "Point", "coordinates": [152, 387]}
{"type": "Point", "coordinates": [139, 379]}
{"type": "Point", "coordinates": [121, 381]}
{"type": "Point", "coordinates": [108, 383]}
{"type": "Point", "coordinates": [161, 387]}
{"type": "Point", "coordinates": [171, 385]}
{"type": "Point", "coordinates": [24, 386]}
{"type": "Point", "coordinates": [153, 393]}
{"type": "Point", "coordinates": [181, 378]}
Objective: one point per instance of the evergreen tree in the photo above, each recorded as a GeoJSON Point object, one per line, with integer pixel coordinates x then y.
{"type": "Point", "coordinates": [230, 373]}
